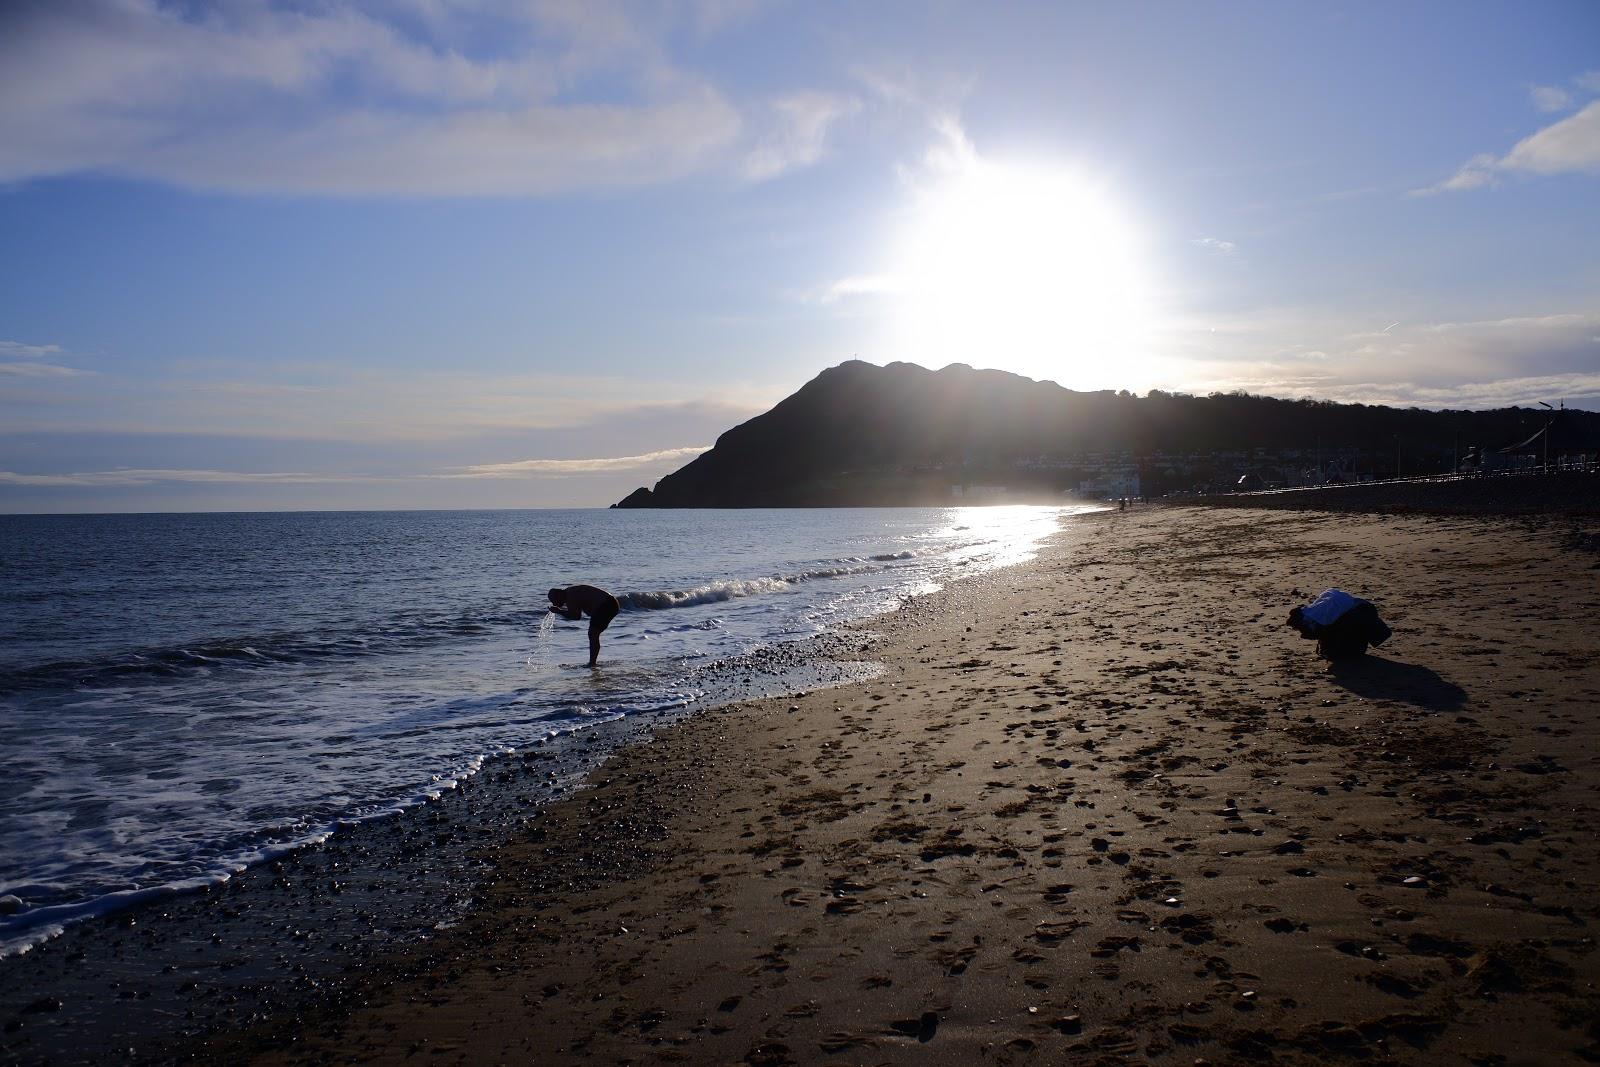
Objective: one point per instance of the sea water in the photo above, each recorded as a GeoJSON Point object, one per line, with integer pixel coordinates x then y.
{"type": "Point", "coordinates": [183, 695]}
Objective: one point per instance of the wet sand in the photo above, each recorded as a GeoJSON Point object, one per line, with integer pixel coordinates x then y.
{"type": "Point", "coordinates": [1102, 808]}
{"type": "Point", "coordinates": [304, 935]}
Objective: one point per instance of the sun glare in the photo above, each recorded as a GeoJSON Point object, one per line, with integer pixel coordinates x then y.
{"type": "Point", "coordinates": [1036, 271]}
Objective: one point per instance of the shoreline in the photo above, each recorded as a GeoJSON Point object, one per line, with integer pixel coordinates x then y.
{"type": "Point", "coordinates": [846, 894]}
{"type": "Point", "coordinates": [120, 808]}
{"type": "Point", "coordinates": [786, 666]}
{"type": "Point", "coordinates": [290, 933]}
{"type": "Point", "coordinates": [1102, 807]}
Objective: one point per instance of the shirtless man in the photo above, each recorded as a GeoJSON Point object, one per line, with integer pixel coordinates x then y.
{"type": "Point", "coordinates": [576, 601]}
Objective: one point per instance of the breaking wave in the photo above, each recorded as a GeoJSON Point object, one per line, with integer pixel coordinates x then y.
{"type": "Point", "coordinates": [731, 589]}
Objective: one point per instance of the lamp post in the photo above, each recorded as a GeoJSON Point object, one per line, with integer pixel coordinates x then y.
{"type": "Point", "coordinates": [1545, 467]}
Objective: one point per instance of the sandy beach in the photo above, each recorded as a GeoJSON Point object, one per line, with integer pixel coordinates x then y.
{"type": "Point", "coordinates": [1101, 808]}
{"type": "Point", "coordinates": [730, 532]}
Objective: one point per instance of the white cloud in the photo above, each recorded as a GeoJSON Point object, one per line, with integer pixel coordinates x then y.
{"type": "Point", "coordinates": [1440, 353]}
{"type": "Point", "coordinates": [132, 477]}
{"type": "Point", "coordinates": [20, 360]}
{"type": "Point", "coordinates": [22, 351]}
{"type": "Point", "coordinates": [40, 370]}
{"type": "Point", "coordinates": [1226, 248]}
{"type": "Point", "coordinates": [333, 403]}
{"type": "Point", "coordinates": [1573, 144]}
{"type": "Point", "coordinates": [861, 285]}
{"type": "Point", "coordinates": [1590, 81]}
{"type": "Point", "coordinates": [800, 133]}
{"type": "Point", "coordinates": [1474, 363]}
{"type": "Point", "coordinates": [1570, 146]}
{"type": "Point", "coordinates": [527, 468]}
{"type": "Point", "coordinates": [522, 468]}
{"type": "Point", "coordinates": [534, 150]}
{"type": "Point", "coordinates": [1504, 392]}
{"type": "Point", "coordinates": [901, 85]}
{"type": "Point", "coordinates": [1479, 171]}
{"type": "Point", "coordinates": [257, 96]}
{"type": "Point", "coordinates": [1550, 98]}
{"type": "Point", "coordinates": [1477, 395]}
{"type": "Point", "coordinates": [952, 152]}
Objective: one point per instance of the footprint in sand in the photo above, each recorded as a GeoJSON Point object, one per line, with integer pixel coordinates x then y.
{"type": "Point", "coordinates": [922, 1028]}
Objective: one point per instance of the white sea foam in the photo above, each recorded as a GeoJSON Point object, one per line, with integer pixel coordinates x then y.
{"type": "Point", "coordinates": [23, 931]}
{"type": "Point", "coordinates": [709, 593]}
{"type": "Point", "coordinates": [730, 589]}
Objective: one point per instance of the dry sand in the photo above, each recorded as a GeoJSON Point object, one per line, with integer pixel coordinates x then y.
{"type": "Point", "coordinates": [1102, 808]}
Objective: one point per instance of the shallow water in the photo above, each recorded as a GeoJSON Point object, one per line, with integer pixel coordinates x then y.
{"type": "Point", "coordinates": [182, 695]}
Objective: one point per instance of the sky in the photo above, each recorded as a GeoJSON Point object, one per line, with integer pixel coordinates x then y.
{"type": "Point", "coordinates": [417, 254]}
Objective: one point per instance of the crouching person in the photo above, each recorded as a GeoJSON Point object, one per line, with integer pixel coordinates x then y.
{"type": "Point", "coordinates": [1342, 625]}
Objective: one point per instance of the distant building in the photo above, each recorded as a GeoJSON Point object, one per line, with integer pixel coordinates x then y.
{"type": "Point", "coordinates": [1111, 484]}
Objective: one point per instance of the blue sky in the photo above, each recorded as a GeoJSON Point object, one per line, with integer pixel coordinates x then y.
{"type": "Point", "coordinates": [418, 254]}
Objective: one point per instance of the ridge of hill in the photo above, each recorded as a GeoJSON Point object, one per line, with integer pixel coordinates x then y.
{"type": "Point", "coordinates": [860, 434]}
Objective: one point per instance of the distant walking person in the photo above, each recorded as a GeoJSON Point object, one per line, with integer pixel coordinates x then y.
{"type": "Point", "coordinates": [576, 601]}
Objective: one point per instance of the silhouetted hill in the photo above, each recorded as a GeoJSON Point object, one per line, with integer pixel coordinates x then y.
{"type": "Point", "coordinates": [860, 434]}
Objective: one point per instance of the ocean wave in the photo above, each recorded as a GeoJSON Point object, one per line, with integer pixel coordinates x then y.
{"type": "Point", "coordinates": [254, 651]}
{"type": "Point", "coordinates": [731, 589]}
{"type": "Point", "coordinates": [402, 632]}
{"type": "Point", "coordinates": [23, 930]}
{"type": "Point", "coordinates": [710, 593]}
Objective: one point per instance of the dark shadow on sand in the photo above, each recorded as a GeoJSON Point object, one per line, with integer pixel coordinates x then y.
{"type": "Point", "coordinates": [1377, 678]}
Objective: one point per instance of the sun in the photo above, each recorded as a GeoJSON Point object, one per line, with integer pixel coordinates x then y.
{"type": "Point", "coordinates": [1029, 269]}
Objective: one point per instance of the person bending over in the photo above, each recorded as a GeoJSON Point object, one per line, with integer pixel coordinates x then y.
{"type": "Point", "coordinates": [1342, 625]}
{"type": "Point", "coordinates": [576, 601]}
